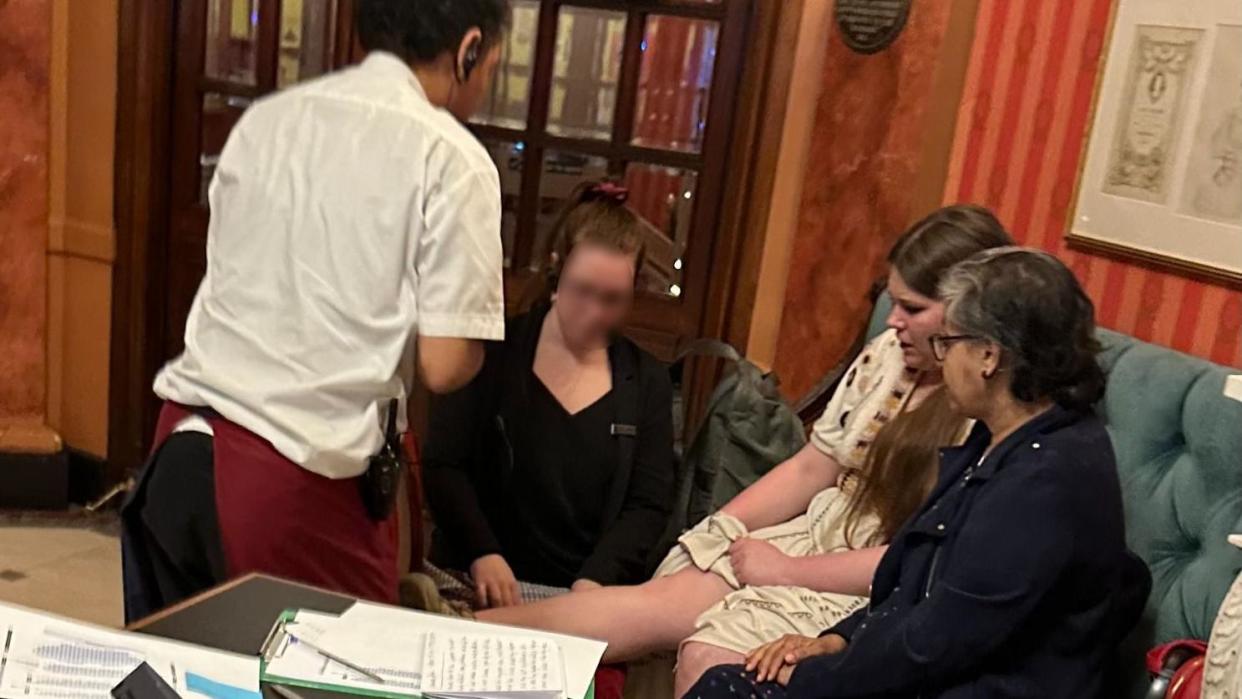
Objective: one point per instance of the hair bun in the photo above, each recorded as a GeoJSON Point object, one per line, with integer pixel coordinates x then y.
{"type": "Point", "coordinates": [606, 192]}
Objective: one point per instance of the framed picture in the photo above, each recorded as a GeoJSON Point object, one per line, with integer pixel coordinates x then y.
{"type": "Point", "coordinates": [1162, 182]}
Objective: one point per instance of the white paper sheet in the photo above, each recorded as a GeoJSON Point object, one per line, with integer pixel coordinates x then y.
{"type": "Point", "coordinates": [49, 657]}
{"type": "Point", "coordinates": [394, 637]}
{"type": "Point", "coordinates": [478, 665]}
{"type": "Point", "coordinates": [299, 662]}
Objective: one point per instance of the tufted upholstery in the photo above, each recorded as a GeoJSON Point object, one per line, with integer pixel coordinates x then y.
{"type": "Point", "coordinates": [1178, 442]}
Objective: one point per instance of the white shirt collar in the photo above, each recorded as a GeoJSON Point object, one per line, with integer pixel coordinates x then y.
{"type": "Point", "coordinates": [385, 63]}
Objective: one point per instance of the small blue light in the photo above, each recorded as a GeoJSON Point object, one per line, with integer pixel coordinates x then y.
{"type": "Point", "coordinates": [519, 146]}
{"type": "Point", "coordinates": [644, 46]}
{"type": "Point", "coordinates": [254, 18]}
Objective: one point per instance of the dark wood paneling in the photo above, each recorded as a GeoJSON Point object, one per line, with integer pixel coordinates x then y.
{"type": "Point", "coordinates": [144, 81]}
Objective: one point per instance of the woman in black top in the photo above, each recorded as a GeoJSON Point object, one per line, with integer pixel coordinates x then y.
{"type": "Point", "coordinates": [555, 465]}
{"type": "Point", "coordinates": [1013, 580]}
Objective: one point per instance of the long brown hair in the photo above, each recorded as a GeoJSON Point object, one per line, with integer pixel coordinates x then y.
{"type": "Point", "coordinates": [595, 213]}
{"type": "Point", "coordinates": [901, 465]}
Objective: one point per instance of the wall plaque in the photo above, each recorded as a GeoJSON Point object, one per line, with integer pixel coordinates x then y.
{"type": "Point", "coordinates": [868, 26]}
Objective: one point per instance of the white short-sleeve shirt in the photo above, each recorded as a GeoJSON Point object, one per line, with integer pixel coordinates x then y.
{"type": "Point", "coordinates": [348, 216]}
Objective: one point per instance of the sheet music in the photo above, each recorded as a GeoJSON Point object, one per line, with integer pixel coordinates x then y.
{"type": "Point", "coordinates": [394, 637]}
{"type": "Point", "coordinates": [48, 657]}
{"type": "Point", "coordinates": [486, 665]}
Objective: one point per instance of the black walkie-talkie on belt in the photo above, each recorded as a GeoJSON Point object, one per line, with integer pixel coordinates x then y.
{"type": "Point", "coordinates": [383, 475]}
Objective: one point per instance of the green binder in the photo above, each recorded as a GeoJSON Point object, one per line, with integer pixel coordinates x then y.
{"type": "Point", "coordinates": [272, 645]}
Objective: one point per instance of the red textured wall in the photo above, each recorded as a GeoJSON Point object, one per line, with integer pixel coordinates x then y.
{"type": "Point", "coordinates": [25, 45]}
{"type": "Point", "coordinates": [864, 158]}
{"type": "Point", "coordinates": [1019, 147]}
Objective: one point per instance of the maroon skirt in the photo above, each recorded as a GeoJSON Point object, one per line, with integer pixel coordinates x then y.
{"type": "Point", "coordinates": [277, 518]}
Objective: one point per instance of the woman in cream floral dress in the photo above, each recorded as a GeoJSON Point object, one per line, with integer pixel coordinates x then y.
{"type": "Point", "coordinates": [795, 552]}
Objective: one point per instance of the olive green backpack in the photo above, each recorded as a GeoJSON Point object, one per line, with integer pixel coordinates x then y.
{"type": "Point", "coordinates": [747, 429]}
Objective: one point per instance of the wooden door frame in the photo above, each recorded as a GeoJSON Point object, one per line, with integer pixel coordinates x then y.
{"type": "Point", "coordinates": [145, 65]}
{"type": "Point", "coordinates": [146, 38]}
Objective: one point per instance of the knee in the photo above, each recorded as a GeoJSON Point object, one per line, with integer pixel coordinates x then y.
{"type": "Point", "coordinates": [695, 656]}
{"type": "Point", "coordinates": [719, 682]}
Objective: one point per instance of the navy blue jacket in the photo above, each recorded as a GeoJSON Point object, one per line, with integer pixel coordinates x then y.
{"type": "Point", "coordinates": [1013, 580]}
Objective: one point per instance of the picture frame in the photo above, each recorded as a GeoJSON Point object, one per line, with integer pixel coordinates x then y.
{"type": "Point", "coordinates": [1161, 182]}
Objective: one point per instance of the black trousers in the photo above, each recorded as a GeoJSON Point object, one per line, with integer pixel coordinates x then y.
{"type": "Point", "coordinates": [170, 540]}
{"type": "Point", "coordinates": [733, 682]}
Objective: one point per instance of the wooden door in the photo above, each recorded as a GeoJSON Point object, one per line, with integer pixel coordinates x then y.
{"type": "Point", "coordinates": [229, 53]}
{"type": "Point", "coordinates": [640, 92]}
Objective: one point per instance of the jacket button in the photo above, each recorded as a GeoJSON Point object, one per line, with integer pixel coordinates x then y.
{"type": "Point", "coordinates": [1035, 445]}
{"type": "Point", "coordinates": [940, 527]}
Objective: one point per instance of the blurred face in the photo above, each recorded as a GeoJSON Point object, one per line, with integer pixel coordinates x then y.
{"type": "Point", "coordinates": [969, 365]}
{"type": "Point", "coordinates": [916, 318]}
{"type": "Point", "coordinates": [470, 95]}
{"type": "Point", "coordinates": [595, 292]}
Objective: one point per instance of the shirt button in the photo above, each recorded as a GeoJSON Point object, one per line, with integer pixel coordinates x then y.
{"type": "Point", "coordinates": [940, 527]}
{"type": "Point", "coordinates": [1035, 445]}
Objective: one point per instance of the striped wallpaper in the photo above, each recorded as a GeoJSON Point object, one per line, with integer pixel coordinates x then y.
{"type": "Point", "coordinates": [1018, 149]}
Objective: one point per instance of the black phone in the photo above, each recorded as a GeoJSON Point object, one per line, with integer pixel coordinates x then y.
{"type": "Point", "coordinates": [144, 683]}
{"type": "Point", "coordinates": [379, 484]}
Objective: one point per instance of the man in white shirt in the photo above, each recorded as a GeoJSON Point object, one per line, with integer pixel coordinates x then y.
{"type": "Point", "coordinates": [354, 219]}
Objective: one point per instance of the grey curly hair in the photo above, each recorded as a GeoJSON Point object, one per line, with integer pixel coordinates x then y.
{"type": "Point", "coordinates": [1032, 305]}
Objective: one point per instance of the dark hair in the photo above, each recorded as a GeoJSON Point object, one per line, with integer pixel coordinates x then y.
{"type": "Point", "coordinates": [419, 31]}
{"type": "Point", "coordinates": [1032, 305]}
{"type": "Point", "coordinates": [594, 213]}
{"type": "Point", "coordinates": [925, 252]}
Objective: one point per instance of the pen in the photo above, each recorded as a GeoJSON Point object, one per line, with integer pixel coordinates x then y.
{"type": "Point", "coordinates": [337, 659]}
{"type": "Point", "coordinates": [285, 693]}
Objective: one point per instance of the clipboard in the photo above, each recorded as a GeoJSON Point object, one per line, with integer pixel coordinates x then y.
{"type": "Point", "coordinates": [278, 640]}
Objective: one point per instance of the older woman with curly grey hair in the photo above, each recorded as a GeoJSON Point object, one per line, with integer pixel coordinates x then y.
{"type": "Point", "coordinates": [1013, 579]}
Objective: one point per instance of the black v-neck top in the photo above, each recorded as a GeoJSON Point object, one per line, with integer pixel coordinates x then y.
{"type": "Point", "coordinates": [562, 467]}
{"type": "Point", "coordinates": [507, 470]}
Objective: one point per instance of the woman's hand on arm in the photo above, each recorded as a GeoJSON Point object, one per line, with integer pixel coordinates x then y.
{"type": "Point", "coordinates": [786, 491]}
{"type": "Point", "coordinates": [775, 661]}
{"type": "Point", "coordinates": [759, 563]}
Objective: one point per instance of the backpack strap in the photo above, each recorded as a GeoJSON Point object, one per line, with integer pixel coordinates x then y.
{"type": "Point", "coordinates": [709, 347]}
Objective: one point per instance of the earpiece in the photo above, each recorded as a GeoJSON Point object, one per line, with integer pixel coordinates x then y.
{"type": "Point", "coordinates": [470, 60]}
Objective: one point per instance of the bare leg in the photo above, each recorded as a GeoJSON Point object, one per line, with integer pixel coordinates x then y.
{"type": "Point", "coordinates": [696, 659]}
{"type": "Point", "coordinates": [634, 620]}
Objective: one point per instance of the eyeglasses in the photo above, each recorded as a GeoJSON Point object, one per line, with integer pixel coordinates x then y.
{"type": "Point", "coordinates": [940, 344]}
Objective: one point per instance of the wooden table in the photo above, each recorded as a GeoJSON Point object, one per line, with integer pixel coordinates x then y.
{"type": "Point", "coordinates": [237, 617]}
